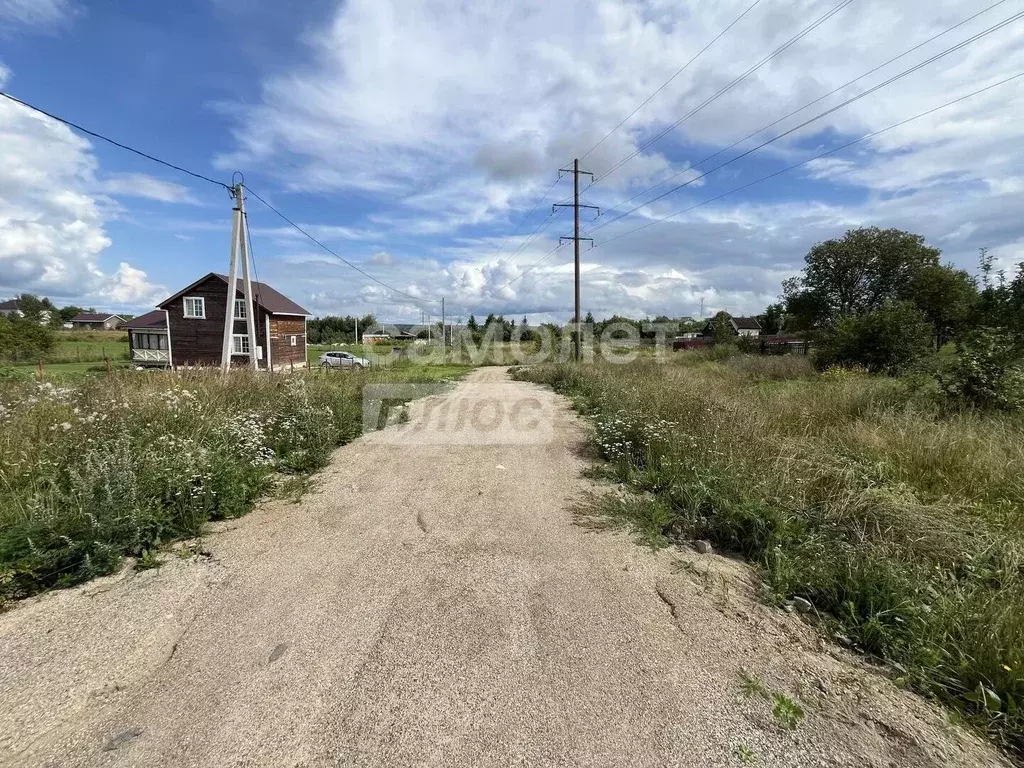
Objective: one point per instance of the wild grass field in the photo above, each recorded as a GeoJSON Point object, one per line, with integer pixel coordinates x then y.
{"type": "Point", "coordinates": [899, 520]}
{"type": "Point", "coordinates": [95, 468]}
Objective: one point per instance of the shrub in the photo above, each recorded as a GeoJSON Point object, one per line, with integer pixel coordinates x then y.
{"type": "Point", "coordinates": [886, 340]}
{"type": "Point", "coordinates": [987, 371]}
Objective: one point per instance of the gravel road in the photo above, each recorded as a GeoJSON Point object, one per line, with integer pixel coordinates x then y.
{"type": "Point", "coordinates": [431, 602]}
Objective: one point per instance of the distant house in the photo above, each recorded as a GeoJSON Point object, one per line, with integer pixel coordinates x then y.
{"type": "Point", "coordinates": [97, 321]}
{"type": "Point", "coordinates": [195, 319]}
{"type": "Point", "coordinates": [11, 308]}
{"type": "Point", "coordinates": [404, 336]}
{"type": "Point", "coordinates": [376, 338]}
{"type": "Point", "coordinates": [741, 326]}
{"type": "Point", "coordinates": [148, 341]}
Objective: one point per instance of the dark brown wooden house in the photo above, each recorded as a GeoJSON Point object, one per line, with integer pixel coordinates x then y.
{"type": "Point", "coordinates": [195, 323]}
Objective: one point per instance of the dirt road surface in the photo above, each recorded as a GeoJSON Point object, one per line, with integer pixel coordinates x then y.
{"type": "Point", "coordinates": [432, 603]}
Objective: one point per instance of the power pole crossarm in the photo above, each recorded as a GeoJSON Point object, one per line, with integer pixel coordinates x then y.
{"type": "Point", "coordinates": [575, 171]}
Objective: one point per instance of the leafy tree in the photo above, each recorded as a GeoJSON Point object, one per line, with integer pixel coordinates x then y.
{"type": "Point", "coordinates": [23, 338]}
{"type": "Point", "coordinates": [773, 318]}
{"type": "Point", "coordinates": [472, 324]}
{"type": "Point", "coordinates": [589, 319]}
{"type": "Point", "coordinates": [947, 297]}
{"type": "Point", "coordinates": [68, 312]}
{"type": "Point", "coordinates": [724, 333]}
{"type": "Point", "coordinates": [859, 273]}
{"type": "Point", "coordinates": [889, 339]}
{"type": "Point", "coordinates": [524, 322]}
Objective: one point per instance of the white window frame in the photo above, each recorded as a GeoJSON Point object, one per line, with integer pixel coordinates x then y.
{"type": "Point", "coordinates": [292, 340]}
{"type": "Point", "coordinates": [202, 307]}
{"type": "Point", "coordinates": [240, 304]}
{"type": "Point", "coordinates": [237, 347]}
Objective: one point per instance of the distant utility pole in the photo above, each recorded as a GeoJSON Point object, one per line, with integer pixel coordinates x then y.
{"type": "Point", "coordinates": [239, 252]}
{"type": "Point", "coordinates": [575, 171]}
{"type": "Point", "coordinates": [444, 348]}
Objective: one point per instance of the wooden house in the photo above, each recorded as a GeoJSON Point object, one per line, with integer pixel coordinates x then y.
{"type": "Point", "coordinates": [194, 323]}
{"type": "Point", "coordinates": [97, 321]}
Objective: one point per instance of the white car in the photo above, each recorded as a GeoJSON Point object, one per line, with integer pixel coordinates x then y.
{"type": "Point", "coordinates": [343, 360]}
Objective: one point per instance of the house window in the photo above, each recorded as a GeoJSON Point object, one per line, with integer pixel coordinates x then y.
{"type": "Point", "coordinates": [240, 344]}
{"type": "Point", "coordinates": [195, 306]}
{"type": "Point", "coordinates": [291, 340]}
{"type": "Point", "coordinates": [149, 341]}
{"type": "Point", "coordinates": [239, 309]}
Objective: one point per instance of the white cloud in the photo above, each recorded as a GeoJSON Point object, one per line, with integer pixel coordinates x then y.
{"type": "Point", "coordinates": [144, 186]}
{"type": "Point", "coordinates": [450, 125]}
{"type": "Point", "coordinates": [39, 14]}
{"type": "Point", "coordinates": [131, 287]}
{"type": "Point", "coordinates": [52, 230]}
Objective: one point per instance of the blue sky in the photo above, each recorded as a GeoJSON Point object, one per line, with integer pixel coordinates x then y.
{"type": "Point", "coordinates": [412, 137]}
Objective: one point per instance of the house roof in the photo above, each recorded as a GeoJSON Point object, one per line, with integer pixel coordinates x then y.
{"type": "Point", "coordinates": [93, 317]}
{"type": "Point", "coordinates": [272, 301]}
{"type": "Point", "coordinates": [9, 304]}
{"type": "Point", "coordinates": [746, 324]}
{"type": "Point", "coordinates": [154, 319]}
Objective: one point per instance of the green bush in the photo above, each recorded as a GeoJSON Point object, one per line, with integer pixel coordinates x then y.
{"type": "Point", "coordinates": [987, 371]}
{"type": "Point", "coordinates": [888, 340]}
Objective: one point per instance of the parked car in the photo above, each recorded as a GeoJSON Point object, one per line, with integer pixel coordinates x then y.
{"type": "Point", "coordinates": [343, 360]}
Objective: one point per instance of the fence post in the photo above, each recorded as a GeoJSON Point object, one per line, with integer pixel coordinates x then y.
{"type": "Point", "coordinates": [107, 361]}
{"type": "Point", "coordinates": [40, 369]}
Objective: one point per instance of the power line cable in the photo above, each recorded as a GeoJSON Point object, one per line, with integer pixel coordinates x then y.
{"type": "Point", "coordinates": [100, 136]}
{"type": "Point", "coordinates": [342, 259]}
{"type": "Point", "coordinates": [533, 266]}
{"type": "Point", "coordinates": [907, 52]}
{"type": "Point", "coordinates": [778, 51]}
{"type": "Point", "coordinates": [817, 117]}
{"type": "Point", "coordinates": [812, 159]}
{"type": "Point", "coordinates": [678, 72]}
{"type": "Point", "coordinates": [529, 213]}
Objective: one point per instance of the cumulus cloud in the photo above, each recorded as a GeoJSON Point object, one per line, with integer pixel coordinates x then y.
{"type": "Point", "coordinates": [455, 130]}
{"type": "Point", "coordinates": [52, 230]}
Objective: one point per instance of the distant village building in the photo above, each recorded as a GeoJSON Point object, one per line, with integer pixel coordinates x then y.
{"type": "Point", "coordinates": [741, 326]}
{"type": "Point", "coordinates": [378, 337]}
{"type": "Point", "coordinates": [11, 308]}
{"type": "Point", "coordinates": [97, 321]}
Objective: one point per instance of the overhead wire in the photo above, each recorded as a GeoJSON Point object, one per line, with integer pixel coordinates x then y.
{"type": "Point", "coordinates": [852, 99]}
{"type": "Point", "coordinates": [678, 72]}
{"type": "Point", "coordinates": [340, 258]}
{"type": "Point", "coordinates": [832, 151]}
{"type": "Point", "coordinates": [732, 84]}
{"type": "Point", "coordinates": [848, 83]}
{"type": "Point", "coordinates": [107, 139]}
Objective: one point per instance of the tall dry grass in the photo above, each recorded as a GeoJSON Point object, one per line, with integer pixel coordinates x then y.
{"type": "Point", "coordinates": [901, 523]}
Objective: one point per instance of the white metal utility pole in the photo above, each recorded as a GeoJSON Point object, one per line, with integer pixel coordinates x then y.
{"type": "Point", "coordinates": [444, 349]}
{"type": "Point", "coordinates": [357, 330]}
{"type": "Point", "coordinates": [250, 315]}
{"type": "Point", "coordinates": [229, 314]}
{"type": "Point", "coordinates": [239, 251]}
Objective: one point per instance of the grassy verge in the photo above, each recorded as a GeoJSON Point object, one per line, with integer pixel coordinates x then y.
{"type": "Point", "coordinates": [900, 523]}
{"type": "Point", "coordinates": [108, 466]}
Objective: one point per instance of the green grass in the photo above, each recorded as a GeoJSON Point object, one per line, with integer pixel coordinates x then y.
{"type": "Point", "coordinates": [900, 521]}
{"type": "Point", "coordinates": [99, 467]}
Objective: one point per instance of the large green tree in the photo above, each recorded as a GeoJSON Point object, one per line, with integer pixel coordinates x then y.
{"type": "Point", "coordinates": [947, 297]}
{"type": "Point", "coordinates": [857, 273]}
